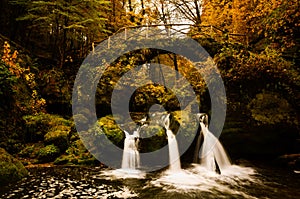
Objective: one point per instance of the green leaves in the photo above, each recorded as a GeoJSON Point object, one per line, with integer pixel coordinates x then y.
{"type": "Point", "coordinates": [7, 80]}
{"type": "Point", "coordinates": [270, 108]}
{"type": "Point", "coordinates": [65, 26]}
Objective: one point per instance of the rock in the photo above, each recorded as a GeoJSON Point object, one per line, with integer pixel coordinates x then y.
{"type": "Point", "coordinates": [11, 169]}
{"type": "Point", "coordinates": [48, 153]}
{"type": "Point", "coordinates": [290, 160]}
{"type": "Point", "coordinates": [88, 161]}
{"type": "Point", "coordinates": [59, 136]}
{"type": "Point", "coordinates": [30, 150]}
{"type": "Point", "coordinates": [63, 159]}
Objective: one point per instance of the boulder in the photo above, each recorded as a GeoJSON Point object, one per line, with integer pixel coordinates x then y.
{"type": "Point", "coordinates": [59, 136]}
{"type": "Point", "coordinates": [11, 169]}
{"type": "Point", "coordinates": [290, 160]}
{"type": "Point", "coordinates": [48, 154]}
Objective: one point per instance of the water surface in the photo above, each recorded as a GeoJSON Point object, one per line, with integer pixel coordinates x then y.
{"type": "Point", "coordinates": [256, 181]}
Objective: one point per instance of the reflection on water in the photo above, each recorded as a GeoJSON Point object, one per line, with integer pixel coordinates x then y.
{"type": "Point", "coordinates": [192, 182]}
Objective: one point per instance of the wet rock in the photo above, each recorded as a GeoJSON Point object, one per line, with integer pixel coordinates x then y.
{"type": "Point", "coordinates": [290, 160]}
{"type": "Point", "coordinates": [11, 169]}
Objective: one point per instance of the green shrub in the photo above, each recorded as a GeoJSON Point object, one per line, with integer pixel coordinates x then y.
{"type": "Point", "coordinates": [31, 150]}
{"type": "Point", "coordinates": [48, 153]}
{"type": "Point", "coordinates": [40, 124]}
{"type": "Point", "coordinates": [270, 108]}
{"type": "Point", "coordinates": [76, 154]}
{"type": "Point", "coordinates": [59, 136]}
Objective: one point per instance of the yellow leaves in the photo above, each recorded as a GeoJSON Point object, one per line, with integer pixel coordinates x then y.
{"type": "Point", "coordinates": [111, 82]}
{"type": "Point", "coordinates": [27, 77]}
{"type": "Point", "coordinates": [10, 59]}
{"type": "Point", "coordinates": [34, 104]}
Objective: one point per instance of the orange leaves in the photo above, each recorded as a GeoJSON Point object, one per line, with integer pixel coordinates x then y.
{"type": "Point", "coordinates": [7, 57]}
{"type": "Point", "coordinates": [32, 103]}
{"type": "Point", "coordinates": [276, 20]}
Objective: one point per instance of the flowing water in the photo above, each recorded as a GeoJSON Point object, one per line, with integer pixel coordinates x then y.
{"type": "Point", "coordinates": [212, 152]}
{"type": "Point", "coordinates": [131, 156]}
{"type": "Point", "coordinates": [257, 180]}
{"type": "Point", "coordinates": [174, 158]}
{"type": "Point", "coordinates": [192, 181]}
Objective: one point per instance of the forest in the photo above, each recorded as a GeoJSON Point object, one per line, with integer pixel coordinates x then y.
{"type": "Point", "coordinates": [255, 45]}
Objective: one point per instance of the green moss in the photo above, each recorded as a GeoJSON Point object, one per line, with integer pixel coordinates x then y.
{"type": "Point", "coordinates": [77, 148]}
{"type": "Point", "coordinates": [111, 129]}
{"type": "Point", "coordinates": [31, 150]}
{"type": "Point", "coordinates": [64, 159]}
{"type": "Point", "coordinates": [154, 138]}
{"type": "Point", "coordinates": [48, 154]}
{"type": "Point", "coordinates": [59, 136]}
{"type": "Point", "coordinates": [26, 151]}
{"type": "Point", "coordinates": [37, 126]}
{"type": "Point", "coordinates": [88, 161]}
{"type": "Point", "coordinates": [81, 119]}
{"type": "Point", "coordinates": [270, 108]}
{"type": "Point", "coordinates": [82, 159]}
{"type": "Point", "coordinates": [76, 154]}
{"type": "Point", "coordinates": [11, 169]}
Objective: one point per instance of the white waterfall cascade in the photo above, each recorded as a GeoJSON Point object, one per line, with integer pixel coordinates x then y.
{"type": "Point", "coordinates": [131, 156]}
{"type": "Point", "coordinates": [212, 152]}
{"type": "Point", "coordinates": [174, 158]}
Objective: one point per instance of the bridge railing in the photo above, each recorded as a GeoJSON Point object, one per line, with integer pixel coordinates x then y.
{"type": "Point", "coordinates": [176, 30]}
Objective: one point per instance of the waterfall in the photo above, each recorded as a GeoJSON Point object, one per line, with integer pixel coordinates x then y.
{"type": "Point", "coordinates": [174, 157]}
{"type": "Point", "coordinates": [131, 156]}
{"type": "Point", "coordinates": [197, 148]}
{"type": "Point", "coordinates": [213, 155]}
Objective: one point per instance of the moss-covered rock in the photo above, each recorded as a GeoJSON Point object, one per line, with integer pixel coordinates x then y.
{"type": "Point", "coordinates": [72, 159]}
{"type": "Point", "coordinates": [154, 138]}
{"type": "Point", "coordinates": [77, 148]}
{"type": "Point", "coordinates": [31, 150]}
{"type": "Point", "coordinates": [48, 154]}
{"type": "Point", "coordinates": [81, 120]}
{"type": "Point", "coordinates": [270, 108]}
{"type": "Point", "coordinates": [11, 169]}
{"type": "Point", "coordinates": [37, 126]}
{"type": "Point", "coordinates": [76, 154]}
{"type": "Point", "coordinates": [111, 129]}
{"type": "Point", "coordinates": [65, 159]}
{"type": "Point", "coordinates": [59, 136]}
{"type": "Point", "coordinates": [89, 160]}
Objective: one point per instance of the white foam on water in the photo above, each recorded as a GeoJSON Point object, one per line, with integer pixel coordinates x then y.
{"type": "Point", "coordinates": [199, 178]}
{"type": "Point", "coordinates": [124, 193]}
{"type": "Point", "coordinates": [122, 174]}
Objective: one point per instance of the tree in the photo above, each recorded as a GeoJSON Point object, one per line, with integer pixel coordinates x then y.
{"type": "Point", "coordinates": [65, 25]}
{"type": "Point", "coordinates": [274, 22]}
{"type": "Point", "coordinates": [278, 24]}
{"type": "Point", "coordinates": [190, 10]}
